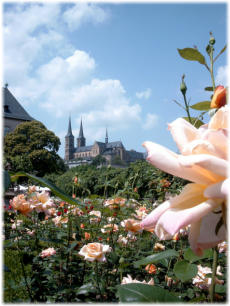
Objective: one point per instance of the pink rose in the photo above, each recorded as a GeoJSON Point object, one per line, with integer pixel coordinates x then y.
{"type": "Point", "coordinates": [202, 203]}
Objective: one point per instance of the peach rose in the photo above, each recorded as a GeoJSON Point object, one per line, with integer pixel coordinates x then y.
{"type": "Point", "coordinates": [94, 251]}
{"type": "Point", "coordinates": [97, 214]}
{"type": "Point", "coordinates": [21, 204]}
{"type": "Point", "coordinates": [202, 203]}
{"type": "Point", "coordinates": [158, 247]}
{"type": "Point", "coordinates": [48, 252]}
{"type": "Point", "coordinates": [131, 225]}
{"type": "Point", "coordinates": [219, 97]}
{"type": "Point", "coordinates": [108, 228]}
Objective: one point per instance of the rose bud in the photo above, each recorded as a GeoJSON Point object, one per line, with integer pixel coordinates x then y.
{"type": "Point", "coordinates": [219, 97]}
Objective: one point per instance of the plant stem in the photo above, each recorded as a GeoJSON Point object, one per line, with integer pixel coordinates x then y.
{"type": "Point", "coordinates": [214, 266]}
{"type": "Point", "coordinates": [211, 68]}
{"type": "Point", "coordinates": [97, 282]}
{"type": "Point", "coordinates": [187, 108]}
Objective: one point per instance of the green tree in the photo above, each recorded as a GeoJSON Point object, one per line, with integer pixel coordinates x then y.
{"type": "Point", "coordinates": [99, 160]}
{"type": "Point", "coordinates": [33, 148]}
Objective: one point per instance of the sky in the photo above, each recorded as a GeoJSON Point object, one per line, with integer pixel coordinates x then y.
{"type": "Point", "coordinates": [115, 65]}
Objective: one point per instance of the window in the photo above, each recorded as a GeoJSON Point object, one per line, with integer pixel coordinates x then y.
{"type": "Point", "coordinates": [6, 109]}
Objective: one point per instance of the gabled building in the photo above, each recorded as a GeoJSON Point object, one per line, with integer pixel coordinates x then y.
{"type": "Point", "coordinates": [109, 150]}
{"type": "Point", "coordinates": [13, 112]}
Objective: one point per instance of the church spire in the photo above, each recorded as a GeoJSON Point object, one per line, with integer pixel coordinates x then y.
{"type": "Point", "coordinates": [106, 136]}
{"type": "Point", "coordinates": [69, 143]}
{"type": "Point", "coordinates": [81, 138]}
{"type": "Point", "coordinates": [81, 135]}
{"type": "Point", "coordinates": [69, 133]}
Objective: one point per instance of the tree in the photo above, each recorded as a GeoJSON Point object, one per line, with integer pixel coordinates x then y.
{"type": "Point", "coordinates": [99, 160]}
{"type": "Point", "coordinates": [31, 147]}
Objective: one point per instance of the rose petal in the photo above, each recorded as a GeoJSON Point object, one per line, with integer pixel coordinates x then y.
{"type": "Point", "coordinates": [218, 190]}
{"type": "Point", "coordinates": [174, 219]}
{"type": "Point", "coordinates": [217, 166]}
{"type": "Point", "coordinates": [219, 139]}
{"type": "Point", "coordinates": [206, 239]}
{"type": "Point", "coordinates": [182, 132]}
{"type": "Point", "coordinates": [151, 220]}
{"type": "Point", "coordinates": [167, 161]}
{"type": "Point", "coordinates": [194, 233]}
{"type": "Point", "coordinates": [220, 119]}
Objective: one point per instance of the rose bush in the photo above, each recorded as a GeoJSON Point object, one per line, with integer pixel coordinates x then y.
{"type": "Point", "coordinates": [202, 203]}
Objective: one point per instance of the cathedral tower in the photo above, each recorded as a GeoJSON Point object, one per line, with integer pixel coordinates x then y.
{"type": "Point", "coordinates": [69, 143]}
{"type": "Point", "coordinates": [106, 136]}
{"type": "Point", "coordinates": [81, 138]}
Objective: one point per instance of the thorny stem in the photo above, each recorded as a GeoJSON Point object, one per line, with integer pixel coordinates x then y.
{"type": "Point", "coordinates": [214, 266]}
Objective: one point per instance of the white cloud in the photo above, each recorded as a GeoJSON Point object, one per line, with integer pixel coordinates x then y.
{"type": "Point", "coordinates": [150, 122]}
{"type": "Point", "coordinates": [222, 76]}
{"type": "Point", "coordinates": [82, 13]}
{"type": "Point", "coordinates": [44, 70]}
{"type": "Point", "coordinates": [144, 94]}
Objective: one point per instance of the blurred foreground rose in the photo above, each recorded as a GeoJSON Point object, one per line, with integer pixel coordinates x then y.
{"type": "Point", "coordinates": [219, 97]}
{"type": "Point", "coordinates": [203, 161]}
{"type": "Point", "coordinates": [94, 251]}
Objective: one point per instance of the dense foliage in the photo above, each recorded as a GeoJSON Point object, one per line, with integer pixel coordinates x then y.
{"type": "Point", "coordinates": [139, 180]}
{"type": "Point", "coordinates": [32, 148]}
{"type": "Point", "coordinates": [167, 270]}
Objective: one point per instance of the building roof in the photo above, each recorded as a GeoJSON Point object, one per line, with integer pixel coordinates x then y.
{"type": "Point", "coordinates": [100, 144]}
{"type": "Point", "coordinates": [114, 144]}
{"type": "Point", "coordinates": [83, 149]}
{"type": "Point", "coordinates": [12, 108]}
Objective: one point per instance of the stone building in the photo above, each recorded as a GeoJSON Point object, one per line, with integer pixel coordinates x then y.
{"type": "Point", "coordinates": [13, 112]}
{"type": "Point", "coordinates": [109, 150]}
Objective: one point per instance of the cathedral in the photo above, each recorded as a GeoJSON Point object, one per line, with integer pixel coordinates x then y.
{"type": "Point", "coordinates": [108, 150]}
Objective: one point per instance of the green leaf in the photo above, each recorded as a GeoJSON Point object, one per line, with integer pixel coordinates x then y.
{"type": "Point", "coordinates": [155, 258]}
{"type": "Point", "coordinates": [209, 88]}
{"type": "Point", "coordinates": [7, 180]}
{"type": "Point", "coordinates": [222, 51]}
{"type": "Point", "coordinates": [194, 121]}
{"type": "Point", "coordinates": [220, 288]}
{"type": "Point", "coordinates": [190, 256]}
{"type": "Point", "coordinates": [185, 270]}
{"type": "Point", "coordinates": [58, 192]}
{"type": "Point", "coordinates": [139, 293]}
{"type": "Point", "coordinates": [204, 106]}
{"type": "Point", "coordinates": [72, 246]}
{"type": "Point", "coordinates": [87, 288]}
{"type": "Point", "coordinates": [192, 54]}
{"type": "Point", "coordinates": [208, 49]}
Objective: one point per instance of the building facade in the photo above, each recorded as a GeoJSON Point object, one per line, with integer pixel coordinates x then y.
{"type": "Point", "coordinates": [109, 150]}
{"type": "Point", "coordinates": [13, 112]}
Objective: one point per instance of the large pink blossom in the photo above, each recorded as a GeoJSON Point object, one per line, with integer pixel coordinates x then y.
{"type": "Point", "coordinates": [202, 203]}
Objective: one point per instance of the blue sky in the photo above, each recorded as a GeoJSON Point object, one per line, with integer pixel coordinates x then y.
{"type": "Point", "coordinates": [115, 65]}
